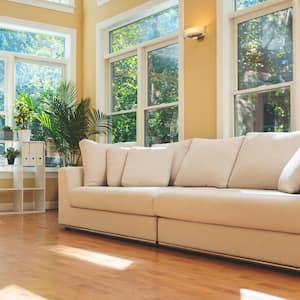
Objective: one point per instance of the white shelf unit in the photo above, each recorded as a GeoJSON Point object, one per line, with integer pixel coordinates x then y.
{"type": "Point", "coordinates": [22, 185]}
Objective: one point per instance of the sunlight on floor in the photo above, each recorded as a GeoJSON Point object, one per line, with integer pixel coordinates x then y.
{"type": "Point", "coordinates": [254, 295]}
{"type": "Point", "coordinates": [14, 292]}
{"type": "Point", "coordinates": [104, 260]}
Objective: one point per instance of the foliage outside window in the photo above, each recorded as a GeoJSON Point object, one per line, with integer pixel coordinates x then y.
{"type": "Point", "coordinates": [36, 44]}
{"type": "Point", "coordinates": [145, 101]}
{"type": "Point", "coordinates": [146, 29]}
{"type": "Point", "coordinates": [33, 77]}
{"type": "Point", "coordinates": [262, 99]}
{"type": "Point", "coordinates": [241, 4]}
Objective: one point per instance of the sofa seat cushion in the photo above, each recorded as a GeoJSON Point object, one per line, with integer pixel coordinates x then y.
{"type": "Point", "coordinates": [257, 209]}
{"type": "Point", "coordinates": [129, 200]}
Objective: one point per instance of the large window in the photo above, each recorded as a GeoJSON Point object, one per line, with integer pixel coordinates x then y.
{"type": "Point", "coordinates": [262, 63]}
{"type": "Point", "coordinates": [32, 61]}
{"type": "Point", "coordinates": [142, 79]}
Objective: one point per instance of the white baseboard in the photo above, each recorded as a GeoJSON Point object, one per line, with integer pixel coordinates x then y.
{"type": "Point", "coordinates": [51, 204]}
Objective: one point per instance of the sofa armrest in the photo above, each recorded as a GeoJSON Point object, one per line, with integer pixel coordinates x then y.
{"type": "Point", "coordinates": [68, 179]}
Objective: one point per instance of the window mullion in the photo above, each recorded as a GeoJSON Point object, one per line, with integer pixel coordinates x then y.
{"type": "Point", "coordinates": [11, 87]}
{"type": "Point", "coordinates": [141, 95]}
{"type": "Point", "coordinates": [295, 89]}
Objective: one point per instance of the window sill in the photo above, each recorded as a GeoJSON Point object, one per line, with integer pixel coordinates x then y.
{"type": "Point", "coordinates": [48, 5]}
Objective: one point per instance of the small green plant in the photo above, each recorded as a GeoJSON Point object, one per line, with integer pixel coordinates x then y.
{"type": "Point", "coordinates": [7, 128]}
{"type": "Point", "coordinates": [11, 153]}
{"type": "Point", "coordinates": [24, 111]}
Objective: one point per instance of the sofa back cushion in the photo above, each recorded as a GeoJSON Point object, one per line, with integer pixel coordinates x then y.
{"type": "Point", "coordinates": [289, 180]}
{"type": "Point", "coordinates": [148, 167]}
{"type": "Point", "coordinates": [116, 159]}
{"type": "Point", "coordinates": [180, 149]}
{"type": "Point", "coordinates": [94, 162]}
{"type": "Point", "coordinates": [262, 158]}
{"type": "Point", "coordinates": [209, 162]}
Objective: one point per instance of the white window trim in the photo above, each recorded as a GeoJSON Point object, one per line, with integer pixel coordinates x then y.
{"type": "Point", "coordinates": [227, 62]}
{"type": "Point", "coordinates": [10, 58]}
{"type": "Point", "coordinates": [49, 5]}
{"type": "Point", "coordinates": [102, 71]}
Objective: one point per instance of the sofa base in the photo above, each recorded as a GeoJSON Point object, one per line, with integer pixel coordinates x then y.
{"type": "Point", "coordinates": [227, 256]}
{"type": "Point", "coordinates": [130, 226]}
{"type": "Point", "coordinates": [264, 247]}
{"type": "Point", "coordinates": [111, 235]}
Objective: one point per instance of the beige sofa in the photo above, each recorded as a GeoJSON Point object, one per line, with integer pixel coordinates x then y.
{"type": "Point", "coordinates": [251, 211]}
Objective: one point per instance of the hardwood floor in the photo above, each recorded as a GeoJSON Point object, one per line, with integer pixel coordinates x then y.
{"type": "Point", "coordinates": [41, 260]}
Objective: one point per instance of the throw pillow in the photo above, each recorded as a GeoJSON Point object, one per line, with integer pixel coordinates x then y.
{"type": "Point", "coordinates": [116, 159]}
{"type": "Point", "coordinates": [148, 167]}
{"type": "Point", "coordinates": [289, 180]}
{"type": "Point", "coordinates": [209, 163]}
{"type": "Point", "coordinates": [94, 162]}
{"type": "Point", "coordinates": [262, 159]}
{"type": "Point", "coordinates": [180, 149]}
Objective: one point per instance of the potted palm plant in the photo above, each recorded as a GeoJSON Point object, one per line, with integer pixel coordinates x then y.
{"type": "Point", "coordinates": [68, 120]}
{"type": "Point", "coordinates": [11, 154]}
{"type": "Point", "coordinates": [24, 116]}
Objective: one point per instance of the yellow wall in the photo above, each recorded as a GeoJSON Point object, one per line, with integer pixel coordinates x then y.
{"type": "Point", "coordinates": [28, 12]}
{"type": "Point", "coordinates": [199, 60]}
{"type": "Point", "coordinates": [200, 71]}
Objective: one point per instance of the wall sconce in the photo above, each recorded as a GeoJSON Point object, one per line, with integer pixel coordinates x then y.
{"type": "Point", "coordinates": [195, 33]}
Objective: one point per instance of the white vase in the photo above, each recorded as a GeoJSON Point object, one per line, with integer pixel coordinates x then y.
{"type": "Point", "coordinates": [24, 135]}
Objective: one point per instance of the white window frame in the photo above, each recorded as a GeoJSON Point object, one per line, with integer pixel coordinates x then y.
{"type": "Point", "coordinates": [68, 64]}
{"type": "Point", "coordinates": [104, 57]}
{"type": "Point", "coordinates": [227, 20]}
{"type": "Point", "coordinates": [48, 4]}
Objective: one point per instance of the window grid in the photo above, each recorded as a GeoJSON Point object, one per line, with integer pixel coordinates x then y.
{"type": "Point", "coordinates": [141, 50]}
{"type": "Point", "coordinates": [142, 103]}
{"type": "Point", "coordinates": [228, 20]}
{"type": "Point", "coordinates": [11, 59]}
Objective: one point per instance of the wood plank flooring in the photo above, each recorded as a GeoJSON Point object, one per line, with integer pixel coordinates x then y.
{"type": "Point", "coordinates": [41, 260]}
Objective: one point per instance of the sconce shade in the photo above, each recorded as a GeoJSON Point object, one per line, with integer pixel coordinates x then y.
{"type": "Point", "coordinates": [196, 33]}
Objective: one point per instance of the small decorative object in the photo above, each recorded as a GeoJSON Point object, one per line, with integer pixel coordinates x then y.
{"type": "Point", "coordinates": [8, 133]}
{"type": "Point", "coordinates": [11, 153]}
{"type": "Point", "coordinates": [24, 116]}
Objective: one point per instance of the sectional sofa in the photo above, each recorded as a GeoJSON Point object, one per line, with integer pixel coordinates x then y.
{"type": "Point", "coordinates": [234, 197]}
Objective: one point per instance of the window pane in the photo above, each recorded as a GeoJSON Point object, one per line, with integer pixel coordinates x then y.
{"type": "Point", "coordinates": [263, 112]}
{"type": "Point", "coordinates": [35, 79]}
{"type": "Point", "coordinates": [123, 128]}
{"type": "Point", "coordinates": [265, 50]}
{"type": "Point", "coordinates": [163, 75]}
{"type": "Point", "coordinates": [240, 4]}
{"type": "Point", "coordinates": [37, 44]}
{"type": "Point", "coordinates": [161, 126]}
{"type": "Point", "coordinates": [2, 120]}
{"type": "Point", "coordinates": [2, 74]}
{"type": "Point", "coordinates": [146, 29]}
{"type": "Point", "coordinates": [124, 84]}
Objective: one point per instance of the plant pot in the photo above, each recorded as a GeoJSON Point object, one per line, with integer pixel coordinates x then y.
{"type": "Point", "coordinates": [24, 135]}
{"type": "Point", "coordinates": [8, 135]}
{"type": "Point", "coordinates": [11, 160]}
